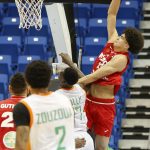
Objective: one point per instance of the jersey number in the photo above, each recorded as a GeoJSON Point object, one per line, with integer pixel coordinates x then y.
{"type": "Point", "coordinates": [61, 130]}
{"type": "Point", "coordinates": [8, 121]}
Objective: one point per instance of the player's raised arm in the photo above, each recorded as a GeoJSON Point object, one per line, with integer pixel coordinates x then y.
{"type": "Point", "coordinates": [67, 60]}
{"type": "Point", "coordinates": [111, 20]}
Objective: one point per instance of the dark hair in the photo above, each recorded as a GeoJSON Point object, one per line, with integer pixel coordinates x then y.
{"type": "Point", "coordinates": [38, 74]}
{"type": "Point", "coordinates": [18, 84]}
{"type": "Point", "coordinates": [134, 39]}
{"type": "Point", "coordinates": [70, 76]}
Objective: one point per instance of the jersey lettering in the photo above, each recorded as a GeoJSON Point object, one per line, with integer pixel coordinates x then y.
{"type": "Point", "coordinates": [8, 120]}
{"type": "Point", "coordinates": [62, 113]}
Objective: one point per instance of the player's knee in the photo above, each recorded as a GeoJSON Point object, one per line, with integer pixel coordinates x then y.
{"type": "Point", "coordinates": [101, 147]}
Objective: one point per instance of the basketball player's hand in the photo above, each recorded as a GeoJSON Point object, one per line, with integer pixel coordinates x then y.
{"type": "Point", "coordinates": [66, 59]}
{"type": "Point", "coordinates": [79, 143]}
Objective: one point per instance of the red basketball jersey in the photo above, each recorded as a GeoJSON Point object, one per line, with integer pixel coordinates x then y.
{"type": "Point", "coordinates": [105, 56]}
{"type": "Point", "coordinates": [7, 128]}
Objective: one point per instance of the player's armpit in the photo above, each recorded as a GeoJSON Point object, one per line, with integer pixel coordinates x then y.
{"type": "Point", "coordinates": [22, 137]}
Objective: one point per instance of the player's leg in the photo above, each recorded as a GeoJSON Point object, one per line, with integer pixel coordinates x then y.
{"type": "Point", "coordinates": [101, 142]}
{"type": "Point", "coordinates": [103, 120]}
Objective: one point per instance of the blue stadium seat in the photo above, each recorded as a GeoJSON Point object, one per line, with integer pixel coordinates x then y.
{"type": "Point", "coordinates": [128, 10]}
{"type": "Point", "coordinates": [16, 40]}
{"type": "Point", "coordinates": [43, 32]}
{"type": "Point", "coordinates": [36, 40]}
{"type": "Point", "coordinates": [80, 25]}
{"type": "Point", "coordinates": [4, 78]}
{"type": "Point", "coordinates": [123, 24]}
{"type": "Point", "coordinates": [2, 88]}
{"type": "Point", "coordinates": [1, 96]}
{"type": "Point", "coordinates": [12, 10]}
{"type": "Point", "coordinates": [79, 41]}
{"type": "Point", "coordinates": [94, 45]}
{"type": "Point", "coordinates": [45, 21]}
{"type": "Point", "coordinates": [82, 10]}
{"type": "Point", "coordinates": [37, 50]}
{"type": "Point", "coordinates": [11, 27]}
{"type": "Point", "coordinates": [97, 27]}
{"type": "Point", "coordinates": [36, 46]}
{"type": "Point", "coordinates": [44, 13]}
{"type": "Point", "coordinates": [99, 10]}
{"type": "Point", "coordinates": [4, 84]}
{"type": "Point", "coordinates": [1, 11]}
{"type": "Point", "coordinates": [11, 50]}
{"type": "Point", "coordinates": [24, 60]}
{"type": "Point", "coordinates": [87, 63]}
{"type": "Point", "coordinates": [5, 64]}
{"type": "Point", "coordinates": [11, 21]}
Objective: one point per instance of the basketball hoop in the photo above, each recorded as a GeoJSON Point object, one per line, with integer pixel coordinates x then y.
{"type": "Point", "coordinates": [30, 13]}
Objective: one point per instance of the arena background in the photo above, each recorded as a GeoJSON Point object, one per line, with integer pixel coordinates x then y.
{"type": "Point", "coordinates": [87, 26]}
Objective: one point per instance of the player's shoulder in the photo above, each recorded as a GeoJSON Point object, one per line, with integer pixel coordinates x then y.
{"type": "Point", "coordinates": [120, 57]}
{"type": "Point", "coordinates": [58, 94]}
{"type": "Point", "coordinates": [5, 101]}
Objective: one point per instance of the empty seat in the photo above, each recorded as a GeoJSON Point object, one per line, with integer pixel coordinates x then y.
{"type": "Point", "coordinates": [1, 96]}
{"type": "Point", "coordinates": [94, 45]}
{"type": "Point", "coordinates": [4, 78]}
{"type": "Point", "coordinates": [80, 25]}
{"type": "Point", "coordinates": [42, 32]}
{"type": "Point", "coordinates": [36, 40]}
{"type": "Point", "coordinates": [16, 40]}
{"type": "Point", "coordinates": [11, 49]}
{"type": "Point", "coordinates": [98, 27]}
{"type": "Point", "coordinates": [87, 63]}
{"type": "Point", "coordinates": [5, 64]}
{"type": "Point", "coordinates": [24, 60]}
{"type": "Point", "coordinates": [12, 10]}
{"type": "Point", "coordinates": [99, 10]}
{"type": "Point", "coordinates": [44, 13]}
{"type": "Point", "coordinates": [128, 10]}
{"type": "Point", "coordinates": [11, 26]}
{"type": "Point", "coordinates": [37, 50]}
{"type": "Point", "coordinates": [35, 46]}
{"type": "Point", "coordinates": [82, 10]}
{"type": "Point", "coordinates": [2, 88]}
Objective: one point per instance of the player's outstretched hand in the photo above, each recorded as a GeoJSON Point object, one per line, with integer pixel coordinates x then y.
{"type": "Point", "coordinates": [79, 143]}
{"type": "Point", "coordinates": [66, 59]}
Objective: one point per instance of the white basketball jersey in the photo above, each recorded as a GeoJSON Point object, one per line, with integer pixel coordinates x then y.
{"type": "Point", "coordinates": [51, 122]}
{"type": "Point", "coordinates": [77, 98]}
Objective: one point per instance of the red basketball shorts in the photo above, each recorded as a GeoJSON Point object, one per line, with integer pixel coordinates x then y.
{"type": "Point", "coordinates": [100, 114]}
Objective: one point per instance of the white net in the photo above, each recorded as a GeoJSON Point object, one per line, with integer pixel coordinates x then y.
{"type": "Point", "coordinates": [30, 13]}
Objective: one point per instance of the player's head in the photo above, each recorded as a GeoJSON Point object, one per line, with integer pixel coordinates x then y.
{"type": "Point", "coordinates": [68, 78]}
{"type": "Point", "coordinates": [38, 74]}
{"type": "Point", "coordinates": [131, 40]}
{"type": "Point", "coordinates": [18, 85]}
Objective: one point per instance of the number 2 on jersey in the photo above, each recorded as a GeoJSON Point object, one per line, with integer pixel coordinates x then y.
{"type": "Point", "coordinates": [61, 130]}
{"type": "Point", "coordinates": [8, 121]}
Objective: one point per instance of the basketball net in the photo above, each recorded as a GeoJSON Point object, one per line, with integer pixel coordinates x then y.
{"type": "Point", "coordinates": [30, 13]}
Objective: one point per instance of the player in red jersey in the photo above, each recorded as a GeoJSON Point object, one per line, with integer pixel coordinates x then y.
{"type": "Point", "coordinates": [18, 90]}
{"type": "Point", "coordinates": [105, 79]}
